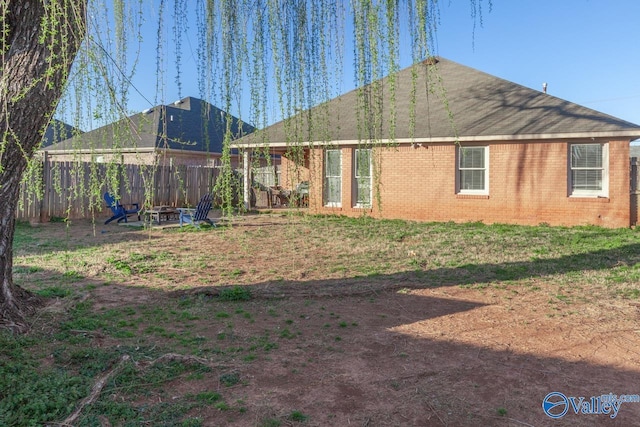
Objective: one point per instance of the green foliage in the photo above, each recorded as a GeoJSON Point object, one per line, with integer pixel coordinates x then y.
{"type": "Point", "coordinates": [229, 379]}
{"type": "Point", "coordinates": [32, 398]}
{"type": "Point", "coordinates": [208, 397]}
{"type": "Point", "coordinates": [54, 292]}
{"type": "Point", "coordinates": [222, 406]}
{"type": "Point", "coordinates": [127, 414]}
{"type": "Point", "coordinates": [236, 293]}
{"type": "Point", "coordinates": [191, 422]}
{"type": "Point", "coordinates": [298, 416]}
{"type": "Point", "coordinates": [120, 265]}
{"type": "Point", "coordinates": [31, 395]}
{"type": "Point", "coordinates": [286, 333]}
{"type": "Point", "coordinates": [136, 263]}
{"type": "Point", "coordinates": [270, 422]}
{"type": "Point", "coordinates": [72, 276]}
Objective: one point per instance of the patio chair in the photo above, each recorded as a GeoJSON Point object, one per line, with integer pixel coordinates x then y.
{"type": "Point", "coordinates": [120, 213]}
{"type": "Point", "coordinates": [198, 214]}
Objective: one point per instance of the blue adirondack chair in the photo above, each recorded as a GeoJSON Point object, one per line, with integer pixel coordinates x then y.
{"type": "Point", "coordinates": [198, 214]}
{"type": "Point", "coordinates": [120, 213]}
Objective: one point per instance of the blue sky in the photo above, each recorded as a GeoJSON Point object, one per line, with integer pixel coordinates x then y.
{"type": "Point", "coordinates": [587, 51]}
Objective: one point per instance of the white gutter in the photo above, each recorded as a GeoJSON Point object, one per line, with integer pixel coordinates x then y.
{"type": "Point", "coordinates": [633, 134]}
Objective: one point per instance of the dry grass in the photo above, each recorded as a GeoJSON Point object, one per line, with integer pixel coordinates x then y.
{"type": "Point", "coordinates": [343, 320]}
{"type": "Point", "coordinates": [291, 249]}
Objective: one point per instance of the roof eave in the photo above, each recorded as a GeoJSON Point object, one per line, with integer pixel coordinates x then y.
{"type": "Point", "coordinates": [626, 134]}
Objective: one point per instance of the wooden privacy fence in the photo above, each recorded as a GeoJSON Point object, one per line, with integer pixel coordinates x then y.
{"type": "Point", "coordinates": [75, 189]}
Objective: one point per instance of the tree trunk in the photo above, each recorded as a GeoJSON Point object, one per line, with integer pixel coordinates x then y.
{"type": "Point", "coordinates": [38, 43]}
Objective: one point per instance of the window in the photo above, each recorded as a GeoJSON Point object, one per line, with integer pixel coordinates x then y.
{"type": "Point", "coordinates": [473, 167]}
{"type": "Point", "coordinates": [362, 178]}
{"type": "Point", "coordinates": [333, 178]}
{"type": "Point", "coordinates": [589, 172]}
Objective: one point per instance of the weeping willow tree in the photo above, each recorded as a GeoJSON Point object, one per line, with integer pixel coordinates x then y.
{"type": "Point", "coordinates": [78, 59]}
{"type": "Point", "coordinates": [39, 41]}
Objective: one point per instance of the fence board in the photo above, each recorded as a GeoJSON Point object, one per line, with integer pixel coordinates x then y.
{"type": "Point", "coordinates": [74, 189]}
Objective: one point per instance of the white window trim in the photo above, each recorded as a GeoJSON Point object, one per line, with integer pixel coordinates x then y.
{"type": "Point", "coordinates": [459, 189]}
{"type": "Point", "coordinates": [355, 178]}
{"type": "Point", "coordinates": [327, 203]}
{"type": "Point", "coordinates": [604, 192]}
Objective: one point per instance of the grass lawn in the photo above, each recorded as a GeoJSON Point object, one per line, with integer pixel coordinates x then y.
{"type": "Point", "coordinates": [284, 320]}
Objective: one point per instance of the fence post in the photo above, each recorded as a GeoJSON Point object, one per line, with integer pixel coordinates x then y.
{"type": "Point", "coordinates": [46, 182]}
{"type": "Point", "coordinates": [635, 193]}
{"type": "Point", "coordinates": [247, 180]}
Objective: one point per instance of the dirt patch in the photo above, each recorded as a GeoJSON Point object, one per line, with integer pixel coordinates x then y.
{"type": "Point", "coordinates": [376, 350]}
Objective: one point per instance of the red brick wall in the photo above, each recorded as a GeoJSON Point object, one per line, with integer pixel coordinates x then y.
{"type": "Point", "coordinates": [528, 184]}
{"type": "Point", "coordinates": [291, 174]}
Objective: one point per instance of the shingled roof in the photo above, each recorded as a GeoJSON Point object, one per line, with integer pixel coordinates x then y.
{"type": "Point", "coordinates": [58, 131]}
{"type": "Point", "coordinates": [452, 103]}
{"type": "Point", "coordinates": [189, 124]}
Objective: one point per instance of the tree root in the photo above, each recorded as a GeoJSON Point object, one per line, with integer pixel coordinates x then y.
{"type": "Point", "coordinates": [95, 391]}
{"type": "Point", "coordinates": [15, 307]}
{"type": "Point", "coordinates": [102, 381]}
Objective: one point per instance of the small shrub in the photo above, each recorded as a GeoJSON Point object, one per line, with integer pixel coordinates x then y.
{"type": "Point", "coordinates": [222, 406]}
{"type": "Point", "coordinates": [298, 417]}
{"type": "Point", "coordinates": [229, 379]}
{"type": "Point", "coordinates": [208, 396]}
{"type": "Point", "coordinates": [286, 333]}
{"type": "Point", "coordinates": [236, 293]}
{"type": "Point", "coordinates": [120, 265]}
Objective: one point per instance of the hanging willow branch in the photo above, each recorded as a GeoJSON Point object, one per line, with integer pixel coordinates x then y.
{"type": "Point", "coordinates": [283, 57]}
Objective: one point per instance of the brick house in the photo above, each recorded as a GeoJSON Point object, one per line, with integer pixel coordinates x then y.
{"type": "Point", "coordinates": [187, 132]}
{"type": "Point", "coordinates": [468, 147]}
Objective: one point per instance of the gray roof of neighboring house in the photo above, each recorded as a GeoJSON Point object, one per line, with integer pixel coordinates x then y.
{"type": "Point", "coordinates": [481, 107]}
{"type": "Point", "coordinates": [189, 124]}
{"type": "Point", "coordinates": [58, 131]}
{"type": "Point", "coordinates": [634, 151]}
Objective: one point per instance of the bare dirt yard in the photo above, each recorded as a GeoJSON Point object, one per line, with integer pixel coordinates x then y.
{"type": "Point", "coordinates": [283, 320]}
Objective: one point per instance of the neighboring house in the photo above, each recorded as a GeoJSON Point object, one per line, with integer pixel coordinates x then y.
{"type": "Point", "coordinates": [188, 132]}
{"type": "Point", "coordinates": [58, 131]}
{"type": "Point", "coordinates": [634, 151]}
{"type": "Point", "coordinates": [468, 147]}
